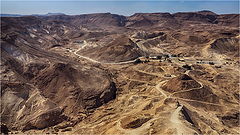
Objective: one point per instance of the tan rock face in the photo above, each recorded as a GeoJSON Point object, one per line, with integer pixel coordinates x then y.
{"type": "Point", "coordinates": [24, 108]}
{"type": "Point", "coordinates": [182, 82]}
{"type": "Point", "coordinates": [121, 48]}
{"type": "Point", "coordinates": [64, 84]}
{"type": "Point", "coordinates": [54, 95]}
{"type": "Point", "coordinates": [228, 46]}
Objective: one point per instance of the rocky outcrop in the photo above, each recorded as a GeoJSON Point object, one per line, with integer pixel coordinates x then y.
{"type": "Point", "coordinates": [146, 35]}
{"type": "Point", "coordinates": [120, 49]}
{"type": "Point", "coordinates": [58, 93]}
{"type": "Point", "coordinates": [226, 46]}
{"type": "Point", "coordinates": [75, 89]}
{"type": "Point", "coordinates": [231, 119]}
{"type": "Point", "coordinates": [182, 82]}
{"type": "Point", "coordinates": [24, 108]}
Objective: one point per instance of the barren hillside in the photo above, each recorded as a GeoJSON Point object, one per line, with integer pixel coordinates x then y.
{"type": "Point", "coordinates": [149, 73]}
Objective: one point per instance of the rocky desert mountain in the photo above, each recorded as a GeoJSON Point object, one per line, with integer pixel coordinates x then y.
{"type": "Point", "coordinates": [103, 73]}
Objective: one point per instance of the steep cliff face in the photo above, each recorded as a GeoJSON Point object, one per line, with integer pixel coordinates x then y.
{"type": "Point", "coordinates": [45, 95]}
{"type": "Point", "coordinates": [76, 90]}
{"type": "Point", "coordinates": [24, 108]}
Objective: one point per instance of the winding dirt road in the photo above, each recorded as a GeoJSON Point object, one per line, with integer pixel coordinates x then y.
{"type": "Point", "coordinates": [95, 61]}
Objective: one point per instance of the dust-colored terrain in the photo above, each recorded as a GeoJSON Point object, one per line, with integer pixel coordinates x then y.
{"type": "Point", "coordinates": [149, 73]}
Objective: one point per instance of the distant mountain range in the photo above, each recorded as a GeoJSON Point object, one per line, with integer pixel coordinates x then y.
{"type": "Point", "coordinates": [11, 15]}
{"type": "Point", "coordinates": [19, 15]}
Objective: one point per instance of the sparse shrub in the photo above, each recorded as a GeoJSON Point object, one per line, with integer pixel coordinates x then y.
{"type": "Point", "coordinates": [187, 67]}
{"type": "Point", "coordinates": [137, 61]}
{"type": "Point", "coordinates": [211, 63]}
{"type": "Point", "coordinates": [174, 55]}
{"type": "Point", "coordinates": [159, 57]}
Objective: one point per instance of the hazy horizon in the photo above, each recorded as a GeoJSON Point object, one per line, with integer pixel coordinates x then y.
{"type": "Point", "coordinates": [116, 7]}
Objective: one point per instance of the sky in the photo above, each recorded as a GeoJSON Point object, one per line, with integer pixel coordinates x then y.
{"type": "Point", "coordinates": [122, 7]}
